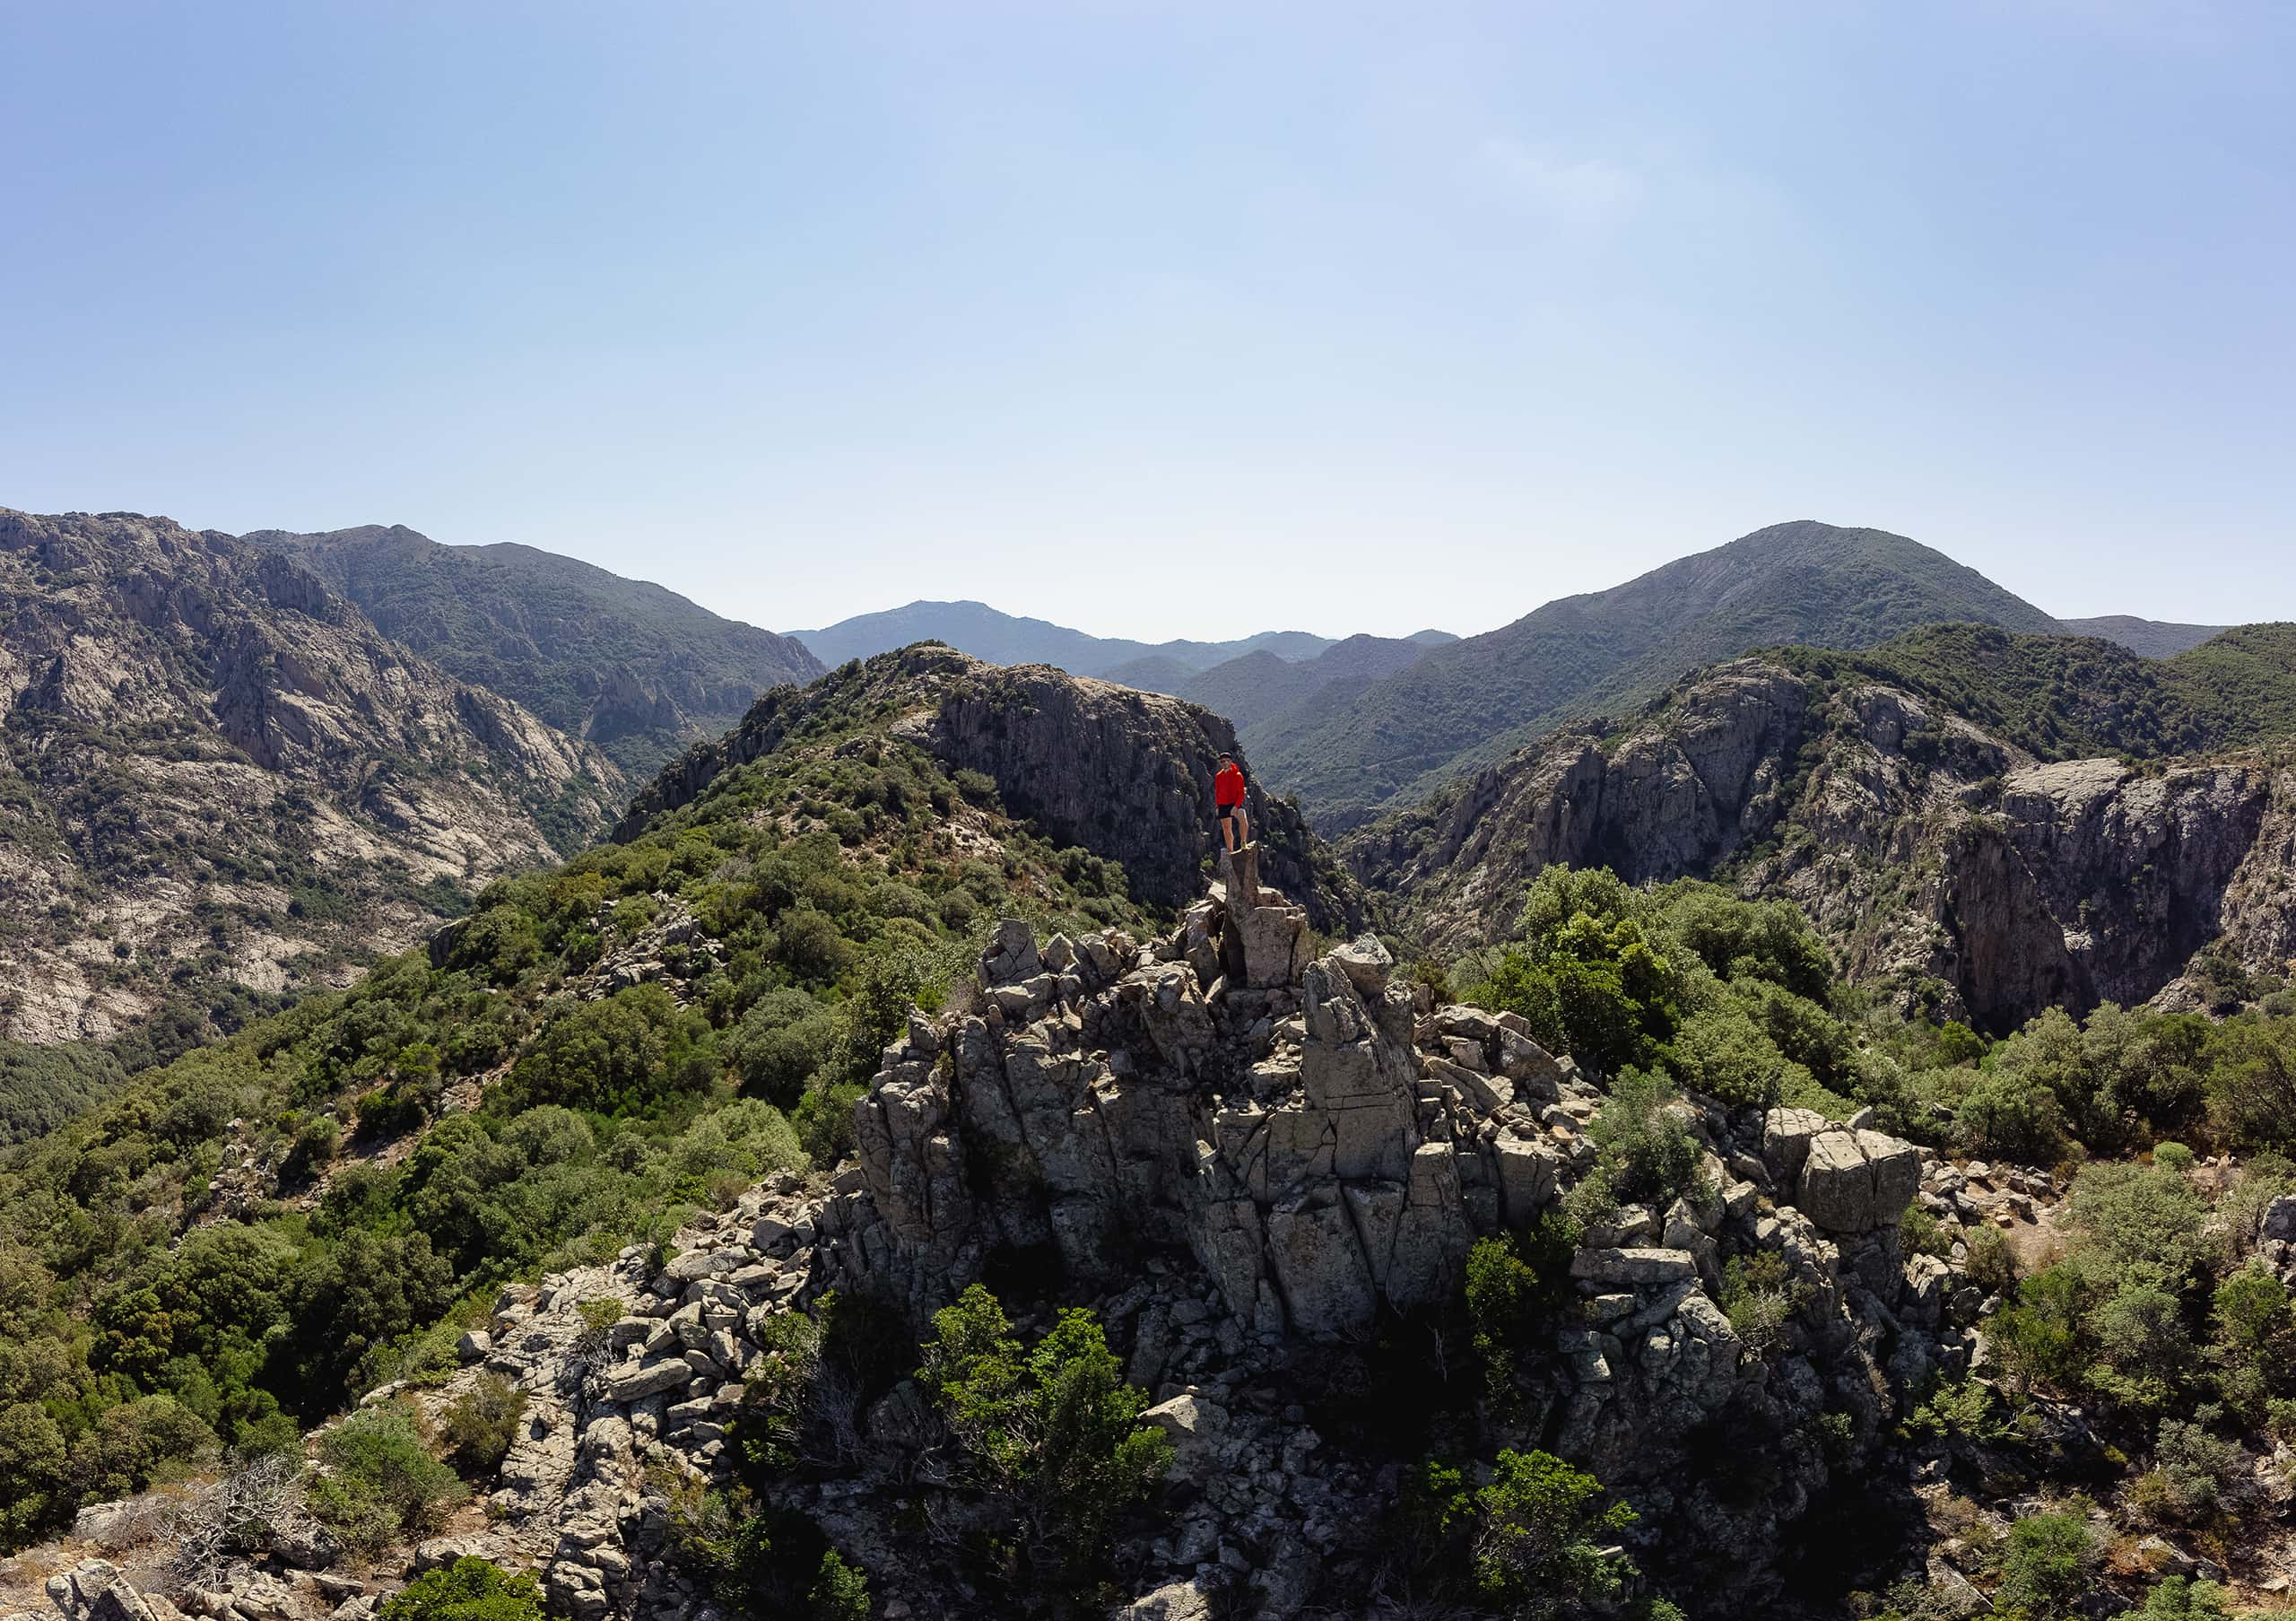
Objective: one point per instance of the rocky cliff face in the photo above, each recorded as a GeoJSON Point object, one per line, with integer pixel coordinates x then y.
{"type": "Point", "coordinates": [1938, 859]}
{"type": "Point", "coordinates": [216, 773]}
{"type": "Point", "coordinates": [1126, 774]}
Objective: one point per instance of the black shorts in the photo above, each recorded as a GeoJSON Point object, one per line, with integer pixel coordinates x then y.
{"type": "Point", "coordinates": [1229, 812]}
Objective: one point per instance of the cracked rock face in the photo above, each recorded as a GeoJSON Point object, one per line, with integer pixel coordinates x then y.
{"type": "Point", "coordinates": [1853, 1181]}
{"type": "Point", "coordinates": [2031, 883]}
{"type": "Point", "coordinates": [1125, 773]}
{"type": "Point", "coordinates": [1272, 1119]}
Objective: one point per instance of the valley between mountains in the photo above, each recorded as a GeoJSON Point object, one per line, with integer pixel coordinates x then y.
{"type": "Point", "coordinates": [1767, 1091]}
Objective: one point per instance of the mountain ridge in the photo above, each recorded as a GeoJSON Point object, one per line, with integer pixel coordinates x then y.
{"type": "Point", "coordinates": [1476, 698]}
{"type": "Point", "coordinates": [625, 663]}
{"type": "Point", "coordinates": [996, 637]}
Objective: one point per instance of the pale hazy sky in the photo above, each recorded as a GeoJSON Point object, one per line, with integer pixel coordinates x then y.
{"type": "Point", "coordinates": [1166, 319]}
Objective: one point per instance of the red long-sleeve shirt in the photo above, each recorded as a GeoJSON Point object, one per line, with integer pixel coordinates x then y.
{"type": "Point", "coordinates": [1228, 787]}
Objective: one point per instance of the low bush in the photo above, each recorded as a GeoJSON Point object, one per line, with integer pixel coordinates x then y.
{"type": "Point", "coordinates": [468, 1590]}
{"type": "Point", "coordinates": [482, 1422]}
{"type": "Point", "coordinates": [381, 1484]}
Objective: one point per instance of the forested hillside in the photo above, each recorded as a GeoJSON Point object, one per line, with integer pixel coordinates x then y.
{"type": "Point", "coordinates": [1475, 701]}
{"type": "Point", "coordinates": [234, 1244]}
{"type": "Point", "coordinates": [636, 670]}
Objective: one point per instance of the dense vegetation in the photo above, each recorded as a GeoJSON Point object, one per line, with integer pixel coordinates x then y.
{"type": "Point", "coordinates": [1475, 700]}
{"type": "Point", "coordinates": [1687, 985]}
{"type": "Point", "coordinates": [2161, 1324]}
{"type": "Point", "coordinates": [2066, 698]}
{"type": "Point", "coordinates": [543, 1094]}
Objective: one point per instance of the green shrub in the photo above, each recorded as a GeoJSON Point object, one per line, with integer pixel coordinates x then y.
{"type": "Point", "coordinates": [2177, 1600]}
{"type": "Point", "coordinates": [1540, 1530]}
{"type": "Point", "coordinates": [1500, 1290]}
{"type": "Point", "coordinates": [1646, 1150]}
{"type": "Point", "coordinates": [841, 1591]}
{"type": "Point", "coordinates": [1760, 1298]}
{"type": "Point", "coordinates": [1052, 1432]}
{"type": "Point", "coordinates": [468, 1590]}
{"type": "Point", "coordinates": [2047, 1568]}
{"type": "Point", "coordinates": [381, 1483]}
{"type": "Point", "coordinates": [481, 1423]}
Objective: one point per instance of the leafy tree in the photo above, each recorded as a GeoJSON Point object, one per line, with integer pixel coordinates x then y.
{"type": "Point", "coordinates": [139, 1443]}
{"type": "Point", "coordinates": [2254, 1346]}
{"type": "Point", "coordinates": [782, 1041]}
{"type": "Point", "coordinates": [626, 1054]}
{"type": "Point", "coordinates": [1054, 1432]}
{"type": "Point", "coordinates": [34, 1470]}
{"type": "Point", "coordinates": [1541, 1534]}
{"type": "Point", "coordinates": [2251, 1082]}
{"type": "Point", "coordinates": [353, 1299]}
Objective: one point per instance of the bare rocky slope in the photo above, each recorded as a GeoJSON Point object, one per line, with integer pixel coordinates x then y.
{"type": "Point", "coordinates": [1941, 860]}
{"type": "Point", "coordinates": [632, 667]}
{"type": "Point", "coordinates": [215, 775]}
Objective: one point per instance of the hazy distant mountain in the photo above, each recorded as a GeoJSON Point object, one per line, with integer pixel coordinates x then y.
{"type": "Point", "coordinates": [1476, 698]}
{"type": "Point", "coordinates": [2154, 638]}
{"type": "Point", "coordinates": [1260, 687]}
{"type": "Point", "coordinates": [635, 668]}
{"type": "Point", "coordinates": [1158, 674]}
{"type": "Point", "coordinates": [979, 629]}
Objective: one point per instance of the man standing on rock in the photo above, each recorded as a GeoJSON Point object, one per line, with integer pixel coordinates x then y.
{"type": "Point", "coordinates": [1228, 798]}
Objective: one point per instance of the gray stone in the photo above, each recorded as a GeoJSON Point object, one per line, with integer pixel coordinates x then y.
{"type": "Point", "coordinates": [649, 1379]}
{"type": "Point", "coordinates": [1853, 1181]}
{"type": "Point", "coordinates": [1196, 1426]}
{"type": "Point", "coordinates": [1638, 1266]}
{"type": "Point", "coordinates": [1786, 1135]}
{"type": "Point", "coordinates": [1367, 964]}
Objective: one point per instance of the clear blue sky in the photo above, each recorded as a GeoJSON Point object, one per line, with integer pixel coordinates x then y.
{"type": "Point", "coordinates": [1164, 319]}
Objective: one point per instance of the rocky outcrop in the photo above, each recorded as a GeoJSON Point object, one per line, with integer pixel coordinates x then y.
{"type": "Point", "coordinates": [1939, 860]}
{"type": "Point", "coordinates": [1323, 1151]}
{"type": "Point", "coordinates": [213, 772]}
{"type": "Point", "coordinates": [1126, 774]}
